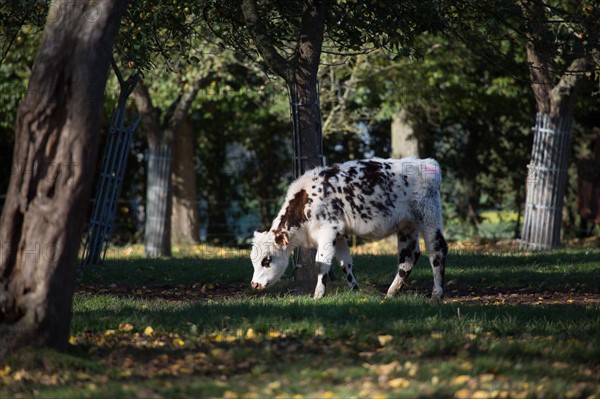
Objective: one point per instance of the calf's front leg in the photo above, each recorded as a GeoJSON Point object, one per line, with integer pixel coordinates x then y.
{"type": "Point", "coordinates": [342, 254]}
{"type": "Point", "coordinates": [325, 254]}
{"type": "Point", "coordinates": [408, 255]}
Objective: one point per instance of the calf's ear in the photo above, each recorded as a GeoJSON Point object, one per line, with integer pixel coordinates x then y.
{"type": "Point", "coordinates": [281, 238]}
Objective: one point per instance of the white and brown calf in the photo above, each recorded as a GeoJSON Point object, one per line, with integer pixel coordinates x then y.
{"type": "Point", "coordinates": [372, 199]}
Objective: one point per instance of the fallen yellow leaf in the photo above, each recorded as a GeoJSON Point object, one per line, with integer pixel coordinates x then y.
{"type": "Point", "coordinates": [463, 394]}
{"type": "Point", "coordinates": [19, 375]}
{"type": "Point", "coordinates": [5, 371]}
{"type": "Point", "coordinates": [274, 334]}
{"type": "Point", "coordinates": [125, 327]}
{"type": "Point", "coordinates": [109, 332]}
{"type": "Point", "coordinates": [148, 331]}
{"type": "Point", "coordinates": [230, 395]}
{"type": "Point", "coordinates": [178, 342]}
{"type": "Point", "coordinates": [384, 339]}
{"type": "Point", "coordinates": [250, 334]}
{"type": "Point", "coordinates": [72, 340]}
{"type": "Point", "coordinates": [328, 395]}
{"type": "Point", "coordinates": [230, 338]}
{"type": "Point", "coordinates": [387, 369]}
{"type": "Point", "coordinates": [319, 331]}
{"type": "Point", "coordinates": [398, 383]}
{"type": "Point", "coordinates": [459, 379]}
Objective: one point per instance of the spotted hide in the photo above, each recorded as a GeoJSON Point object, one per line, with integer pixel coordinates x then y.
{"type": "Point", "coordinates": [371, 198]}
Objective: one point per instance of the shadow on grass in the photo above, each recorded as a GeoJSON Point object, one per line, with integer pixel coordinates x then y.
{"type": "Point", "coordinates": [561, 271]}
{"type": "Point", "coordinates": [343, 316]}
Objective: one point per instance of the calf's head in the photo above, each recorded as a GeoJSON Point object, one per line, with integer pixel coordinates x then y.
{"type": "Point", "coordinates": [269, 257]}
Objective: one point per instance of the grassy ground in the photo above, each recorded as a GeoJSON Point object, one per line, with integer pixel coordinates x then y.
{"type": "Point", "coordinates": [512, 325]}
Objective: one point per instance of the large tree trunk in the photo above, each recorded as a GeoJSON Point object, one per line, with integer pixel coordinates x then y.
{"type": "Point", "coordinates": [184, 215]}
{"type": "Point", "coordinates": [546, 182]}
{"type": "Point", "coordinates": [57, 138]}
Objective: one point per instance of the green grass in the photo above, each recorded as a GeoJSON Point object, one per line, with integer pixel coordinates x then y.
{"type": "Point", "coordinates": [214, 337]}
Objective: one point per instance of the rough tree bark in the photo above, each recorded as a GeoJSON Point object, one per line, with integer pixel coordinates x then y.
{"type": "Point", "coordinates": [405, 136]}
{"type": "Point", "coordinates": [555, 95]}
{"type": "Point", "coordinates": [57, 138]}
{"type": "Point", "coordinates": [157, 237]}
{"type": "Point", "coordinates": [184, 216]}
{"type": "Point", "coordinates": [300, 74]}
{"type": "Point", "coordinates": [159, 196]}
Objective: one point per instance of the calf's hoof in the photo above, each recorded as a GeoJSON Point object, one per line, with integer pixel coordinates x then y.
{"type": "Point", "coordinates": [319, 292]}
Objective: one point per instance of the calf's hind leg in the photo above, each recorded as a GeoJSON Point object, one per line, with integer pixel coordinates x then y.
{"type": "Point", "coordinates": [342, 254]}
{"type": "Point", "coordinates": [408, 255]}
{"type": "Point", "coordinates": [437, 248]}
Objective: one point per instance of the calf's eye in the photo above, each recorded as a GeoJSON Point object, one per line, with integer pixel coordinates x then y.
{"type": "Point", "coordinates": [266, 262]}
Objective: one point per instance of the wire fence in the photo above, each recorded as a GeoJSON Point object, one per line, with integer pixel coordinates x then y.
{"type": "Point", "coordinates": [547, 182]}
{"type": "Point", "coordinates": [158, 219]}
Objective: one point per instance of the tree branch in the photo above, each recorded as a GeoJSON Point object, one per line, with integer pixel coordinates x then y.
{"type": "Point", "coordinates": [539, 53]}
{"type": "Point", "coordinates": [150, 119]}
{"type": "Point", "coordinates": [184, 102]}
{"type": "Point", "coordinates": [263, 41]}
{"type": "Point", "coordinates": [567, 86]}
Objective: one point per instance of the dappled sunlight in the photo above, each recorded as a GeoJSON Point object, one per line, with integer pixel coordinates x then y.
{"type": "Point", "coordinates": [510, 326]}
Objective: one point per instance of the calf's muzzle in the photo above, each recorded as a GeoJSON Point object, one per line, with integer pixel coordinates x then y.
{"type": "Point", "coordinates": [258, 286]}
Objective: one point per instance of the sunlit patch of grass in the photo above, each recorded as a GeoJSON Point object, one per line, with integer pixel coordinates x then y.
{"type": "Point", "coordinates": [499, 216]}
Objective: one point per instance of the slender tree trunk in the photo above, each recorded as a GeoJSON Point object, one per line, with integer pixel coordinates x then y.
{"type": "Point", "coordinates": [157, 234]}
{"type": "Point", "coordinates": [308, 56]}
{"type": "Point", "coordinates": [300, 76]}
{"type": "Point", "coordinates": [57, 137]}
{"type": "Point", "coordinates": [547, 182]}
{"type": "Point", "coordinates": [308, 154]}
{"type": "Point", "coordinates": [308, 129]}
{"type": "Point", "coordinates": [405, 140]}
{"type": "Point", "coordinates": [157, 238]}
{"type": "Point", "coordinates": [159, 196]}
{"type": "Point", "coordinates": [184, 216]}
